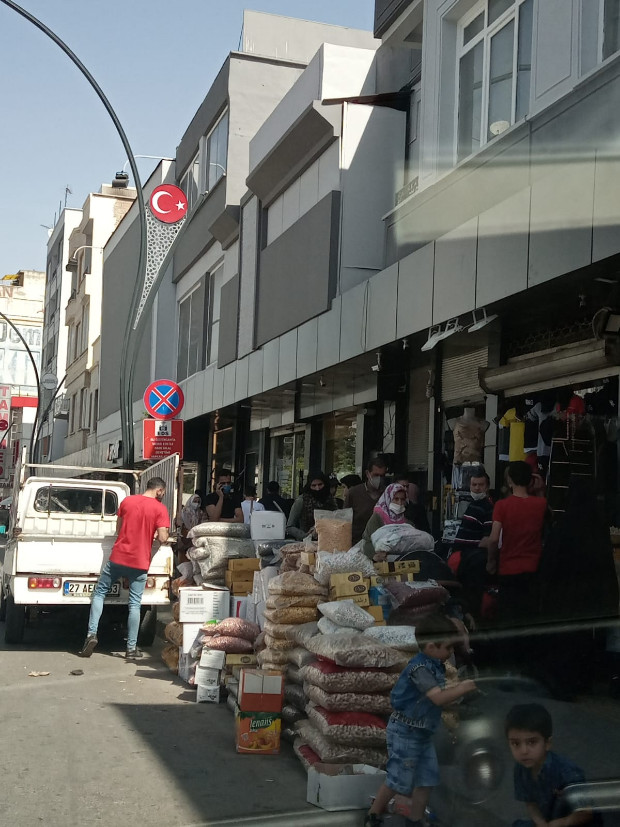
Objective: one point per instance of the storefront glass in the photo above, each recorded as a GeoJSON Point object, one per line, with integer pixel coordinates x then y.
{"type": "Point", "coordinates": [288, 462]}
{"type": "Point", "coordinates": [340, 441]}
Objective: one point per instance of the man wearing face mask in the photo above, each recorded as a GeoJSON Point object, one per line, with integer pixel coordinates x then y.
{"type": "Point", "coordinates": [363, 498]}
{"type": "Point", "coordinates": [224, 506]}
{"type": "Point", "coordinates": [469, 558]}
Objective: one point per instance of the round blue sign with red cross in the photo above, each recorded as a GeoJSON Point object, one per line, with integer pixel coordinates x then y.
{"type": "Point", "coordinates": [164, 399]}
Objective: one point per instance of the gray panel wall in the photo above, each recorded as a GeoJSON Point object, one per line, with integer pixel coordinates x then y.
{"type": "Point", "coordinates": [197, 237]}
{"type": "Point", "coordinates": [208, 110]}
{"type": "Point", "coordinates": [247, 287]}
{"type": "Point", "coordinates": [119, 275]}
{"type": "Point", "coordinates": [229, 320]}
{"type": "Point", "coordinates": [297, 275]}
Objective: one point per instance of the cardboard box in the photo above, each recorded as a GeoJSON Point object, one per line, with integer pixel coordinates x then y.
{"type": "Point", "coordinates": [337, 787]}
{"type": "Point", "coordinates": [307, 558]}
{"type": "Point", "coordinates": [245, 578]}
{"type": "Point", "coordinates": [411, 566]}
{"type": "Point", "coordinates": [245, 564]}
{"type": "Point", "coordinates": [360, 599]}
{"type": "Point", "coordinates": [241, 660]}
{"type": "Point", "coordinates": [257, 733]}
{"type": "Point", "coordinates": [212, 659]}
{"type": "Point", "coordinates": [207, 677]}
{"type": "Point", "coordinates": [344, 585]}
{"type": "Point", "coordinates": [190, 633]}
{"type": "Point", "coordinates": [382, 579]}
{"type": "Point", "coordinates": [208, 694]}
{"type": "Point", "coordinates": [376, 612]}
{"type": "Point", "coordinates": [382, 568]}
{"type": "Point", "coordinates": [200, 604]}
{"type": "Point", "coordinates": [261, 690]}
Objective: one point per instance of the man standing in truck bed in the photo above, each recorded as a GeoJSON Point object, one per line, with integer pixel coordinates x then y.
{"type": "Point", "coordinates": [139, 518]}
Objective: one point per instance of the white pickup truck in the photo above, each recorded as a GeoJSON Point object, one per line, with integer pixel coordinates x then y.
{"type": "Point", "coordinates": [61, 533]}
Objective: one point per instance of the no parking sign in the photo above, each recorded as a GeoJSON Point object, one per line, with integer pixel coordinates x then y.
{"type": "Point", "coordinates": [164, 399]}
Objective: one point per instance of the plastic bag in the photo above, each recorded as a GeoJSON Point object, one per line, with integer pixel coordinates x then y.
{"type": "Point", "coordinates": [300, 656]}
{"type": "Point", "coordinates": [331, 752]}
{"type": "Point", "coordinates": [337, 679]}
{"type": "Point", "coordinates": [170, 656]}
{"type": "Point", "coordinates": [290, 714]}
{"type": "Point", "coordinates": [399, 637]}
{"type": "Point", "coordinates": [294, 614]}
{"type": "Point", "coordinates": [281, 644]}
{"type": "Point", "coordinates": [347, 613]}
{"type": "Point", "coordinates": [418, 594]}
{"type": "Point", "coordinates": [302, 632]}
{"type": "Point", "coordinates": [294, 583]}
{"type": "Point", "coordinates": [235, 627]}
{"type": "Point", "coordinates": [349, 727]}
{"type": "Point", "coordinates": [334, 529]}
{"type": "Point", "coordinates": [355, 650]}
{"type": "Point", "coordinates": [186, 569]}
{"type": "Point", "coordinates": [303, 601]}
{"type": "Point", "coordinates": [295, 695]}
{"type": "Point", "coordinates": [293, 674]}
{"type": "Point", "coordinates": [341, 563]}
{"type": "Point", "coordinates": [272, 656]}
{"type": "Point", "coordinates": [401, 538]}
{"type": "Point", "coordinates": [377, 703]}
{"type": "Point", "coordinates": [236, 530]}
{"type": "Point", "coordinates": [328, 627]}
{"type": "Point", "coordinates": [305, 753]}
{"type": "Point", "coordinates": [230, 645]}
{"type": "Point", "coordinates": [174, 633]}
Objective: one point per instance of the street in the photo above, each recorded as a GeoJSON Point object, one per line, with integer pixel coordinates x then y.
{"type": "Point", "coordinates": [126, 743]}
{"type": "Point", "coordinates": [123, 743]}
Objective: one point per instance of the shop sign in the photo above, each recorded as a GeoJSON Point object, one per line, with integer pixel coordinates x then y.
{"type": "Point", "coordinates": [161, 438]}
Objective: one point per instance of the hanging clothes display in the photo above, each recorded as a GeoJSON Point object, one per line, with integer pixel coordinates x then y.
{"type": "Point", "coordinates": [516, 430]}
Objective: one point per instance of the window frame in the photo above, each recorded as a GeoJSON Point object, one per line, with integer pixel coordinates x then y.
{"type": "Point", "coordinates": [601, 32]}
{"type": "Point", "coordinates": [485, 36]}
{"type": "Point", "coordinates": [216, 275]}
{"type": "Point", "coordinates": [200, 285]}
{"type": "Point", "coordinates": [206, 152]}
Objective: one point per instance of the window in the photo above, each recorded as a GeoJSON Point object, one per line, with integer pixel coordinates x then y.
{"type": "Point", "coordinates": [94, 410]}
{"type": "Point", "coordinates": [77, 341]}
{"type": "Point", "coordinates": [191, 333]}
{"type": "Point", "coordinates": [84, 409]}
{"type": "Point", "coordinates": [85, 327]}
{"type": "Point", "coordinates": [413, 142]}
{"type": "Point", "coordinates": [216, 152]}
{"type": "Point", "coordinates": [494, 70]}
{"type": "Point", "coordinates": [190, 182]}
{"type": "Point", "coordinates": [73, 417]}
{"type": "Point", "coordinates": [611, 28]}
{"type": "Point", "coordinates": [215, 285]}
{"type": "Point", "coordinates": [55, 499]}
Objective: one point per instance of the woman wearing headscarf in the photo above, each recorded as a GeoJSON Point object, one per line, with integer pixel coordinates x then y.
{"type": "Point", "coordinates": [578, 585]}
{"type": "Point", "coordinates": [191, 515]}
{"type": "Point", "coordinates": [315, 495]}
{"type": "Point", "coordinates": [389, 510]}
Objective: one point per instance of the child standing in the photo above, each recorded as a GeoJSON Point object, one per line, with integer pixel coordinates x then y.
{"type": "Point", "coordinates": [540, 776]}
{"type": "Point", "coordinates": [417, 699]}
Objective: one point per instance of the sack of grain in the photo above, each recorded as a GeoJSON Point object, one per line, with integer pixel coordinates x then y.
{"type": "Point", "coordinates": [377, 704]}
{"type": "Point", "coordinates": [334, 529]}
{"type": "Point", "coordinates": [355, 728]}
{"type": "Point", "coordinates": [338, 679]}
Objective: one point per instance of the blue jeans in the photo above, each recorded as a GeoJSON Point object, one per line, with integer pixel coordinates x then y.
{"type": "Point", "coordinates": [110, 573]}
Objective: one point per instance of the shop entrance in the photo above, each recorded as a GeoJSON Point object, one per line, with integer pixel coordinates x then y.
{"type": "Point", "coordinates": [288, 461]}
{"type": "Point", "coordinates": [340, 433]}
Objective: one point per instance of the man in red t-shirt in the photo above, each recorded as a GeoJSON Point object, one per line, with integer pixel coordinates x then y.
{"type": "Point", "coordinates": [518, 520]}
{"type": "Point", "coordinates": [139, 518]}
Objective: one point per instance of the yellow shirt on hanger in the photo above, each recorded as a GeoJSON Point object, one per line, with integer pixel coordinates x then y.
{"type": "Point", "coordinates": [516, 450]}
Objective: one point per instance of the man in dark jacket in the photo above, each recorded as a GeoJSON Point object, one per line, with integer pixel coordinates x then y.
{"type": "Point", "coordinates": [273, 501]}
{"type": "Point", "coordinates": [469, 558]}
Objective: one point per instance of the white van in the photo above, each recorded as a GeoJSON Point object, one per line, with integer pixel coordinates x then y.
{"type": "Point", "coordinates": [60, 535]}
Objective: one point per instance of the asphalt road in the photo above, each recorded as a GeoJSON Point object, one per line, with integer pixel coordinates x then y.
{"type": "Point", "coordinates": [123, 744]}
{"type": "Point", "coordinates": [126, 744]}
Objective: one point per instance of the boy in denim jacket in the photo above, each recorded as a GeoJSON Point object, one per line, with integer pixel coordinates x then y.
{"type": "Point", "coordinates": [417, 699]}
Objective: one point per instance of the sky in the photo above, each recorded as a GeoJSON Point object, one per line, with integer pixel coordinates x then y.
{"type": "Point", "coordinates": [154, 60]}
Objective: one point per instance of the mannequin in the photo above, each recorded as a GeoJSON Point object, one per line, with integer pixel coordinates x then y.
{"type": "Point", "coordinates": [469, 433]}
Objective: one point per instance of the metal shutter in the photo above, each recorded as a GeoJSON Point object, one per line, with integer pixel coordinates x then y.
{"type": "Point", "coordinates": [459, 376]}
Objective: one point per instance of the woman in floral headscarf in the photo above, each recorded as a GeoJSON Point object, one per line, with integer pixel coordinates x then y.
{"type": "Point", "coordinates": [390, 510]}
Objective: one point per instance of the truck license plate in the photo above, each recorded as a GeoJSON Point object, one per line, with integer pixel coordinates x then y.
{"type": "Point", "coordinates": [83, 588]}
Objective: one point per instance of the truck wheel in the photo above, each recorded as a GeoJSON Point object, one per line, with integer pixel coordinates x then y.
{"type": "Point", "coordinates": [15, 621]}
{"type": "Point", "coordinates": [148, 627]}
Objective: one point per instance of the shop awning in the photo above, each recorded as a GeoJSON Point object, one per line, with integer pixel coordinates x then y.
{"type": "Point", "coordinates": [564, 365]}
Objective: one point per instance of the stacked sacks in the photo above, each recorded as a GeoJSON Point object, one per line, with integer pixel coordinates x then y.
{"type": "Point", "coordinates": [292, 600]}
{"type": "Point", "coordinates": [233, 636]}
{"type": "Point", "coordinates": [348, 687]}
{"type": "Point", "coordinates": [213, 545]}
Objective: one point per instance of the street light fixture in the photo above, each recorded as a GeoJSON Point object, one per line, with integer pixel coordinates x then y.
{"type": "Point", "coordinates": [72, 263]}
{"type": "Point", "coordinates": [436, 334]}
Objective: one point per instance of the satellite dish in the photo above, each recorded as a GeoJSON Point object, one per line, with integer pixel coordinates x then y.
{"type": "Point", "coordinates": [498, 127]}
